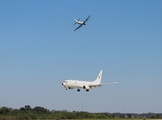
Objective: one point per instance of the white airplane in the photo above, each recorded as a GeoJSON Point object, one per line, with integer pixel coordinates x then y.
{"type": "Point", "coordinates": [71, 84]}
{"type": "Point", "coordinates": [80, 22]}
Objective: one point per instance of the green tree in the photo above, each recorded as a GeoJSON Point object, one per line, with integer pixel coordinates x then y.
{"type": "Point", "coordinates": [129, 115]}
{"type": "Point", "coordinates": [4, 110]}
{"type": "Point", "coordinates": [27, 107]}
{"type": "Point", "coordinates": [41, 110]}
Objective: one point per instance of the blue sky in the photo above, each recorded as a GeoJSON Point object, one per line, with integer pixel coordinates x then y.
{"type": "Point", "coordinates": [39, 49]}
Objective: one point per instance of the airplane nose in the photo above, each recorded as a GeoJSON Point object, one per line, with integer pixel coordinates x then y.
{"type": "Point", "coordinates": [62, 83]}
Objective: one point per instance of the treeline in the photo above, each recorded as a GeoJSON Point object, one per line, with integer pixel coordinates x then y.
{"type": "Point", "coordinates": [28, 113]}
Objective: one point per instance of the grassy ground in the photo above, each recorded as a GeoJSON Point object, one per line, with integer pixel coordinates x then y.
{"type": "Point", "coordinates": [113, 119]}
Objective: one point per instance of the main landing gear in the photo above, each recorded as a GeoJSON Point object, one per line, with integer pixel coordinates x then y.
{"type": "Point", "coordinates": [87, 90]}
{"type": "Point", "coordinates": [78, 90]}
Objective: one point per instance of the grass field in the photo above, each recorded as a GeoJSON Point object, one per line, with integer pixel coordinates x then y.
{"type": "Point", "coordinates": [113, 119]}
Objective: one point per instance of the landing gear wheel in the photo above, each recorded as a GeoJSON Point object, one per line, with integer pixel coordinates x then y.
{"type": "Point", "coordinates": [78, 90]}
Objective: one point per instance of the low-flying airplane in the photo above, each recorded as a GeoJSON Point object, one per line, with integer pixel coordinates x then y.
{"type": "Point", "coordinates": [71, 84]}
{"type": "Point", "coordinates": [80, 22]}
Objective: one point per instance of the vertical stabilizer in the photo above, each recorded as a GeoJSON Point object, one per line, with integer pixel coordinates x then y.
{"type": "Point", "coordinates": [98, 79]}
{"type": "Point", "coordinates": [75, 21]}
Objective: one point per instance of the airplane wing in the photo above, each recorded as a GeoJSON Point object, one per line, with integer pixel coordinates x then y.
{"type": "Point", "coordinates": [109, 83]}
{"type": "Point", "coordinates": [98, 85]}
{"type": "Point", "coordinates": [94, 86]}
{"type": "Point", "coordinates": [87, 18]}
{"type": "Point", "coordinates": [78, 27]}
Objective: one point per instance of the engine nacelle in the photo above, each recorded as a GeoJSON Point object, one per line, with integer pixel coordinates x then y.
{"type": "Point", "coordinates": [70, 88]}
{"type": "Point", "coordinates": [86, 87]}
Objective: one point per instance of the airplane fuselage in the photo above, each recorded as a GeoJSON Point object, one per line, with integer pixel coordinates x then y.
{"type": "Point", "coordinates": [71, 84]}
{"type": "Point", "coordinates": [81, 23]}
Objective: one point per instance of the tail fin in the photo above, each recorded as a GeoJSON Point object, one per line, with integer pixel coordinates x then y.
{"type": "Point", "coordinates": [75, 21]}
{"type": "Point", "coordinates": [98, 79]}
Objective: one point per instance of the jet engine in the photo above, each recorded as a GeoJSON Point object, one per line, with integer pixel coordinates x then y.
{"type": "Point", "coordinates": [86, 87]}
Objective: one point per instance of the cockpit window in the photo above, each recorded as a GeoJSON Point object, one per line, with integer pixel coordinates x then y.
{"type": "Point", "coordinates": [65, 81]}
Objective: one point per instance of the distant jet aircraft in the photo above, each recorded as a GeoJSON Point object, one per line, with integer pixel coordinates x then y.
{"type": "Point", "coordinates": [80, 22]}
{"type": "Point", "coordinates": [71, 84]}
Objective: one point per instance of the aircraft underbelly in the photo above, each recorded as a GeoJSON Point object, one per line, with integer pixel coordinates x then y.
{"type": "Point", "coordinates": [75, 86]}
